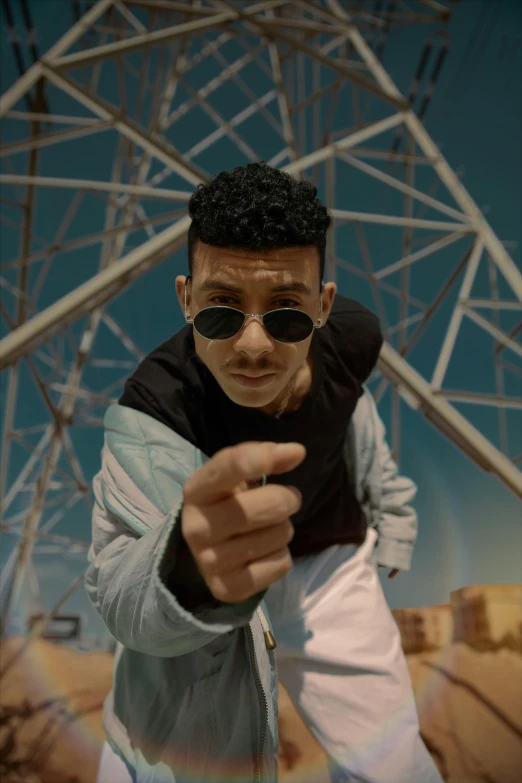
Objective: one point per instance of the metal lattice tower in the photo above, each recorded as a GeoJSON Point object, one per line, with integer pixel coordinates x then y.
{"type": "Point", "coordinates": [307, 79]}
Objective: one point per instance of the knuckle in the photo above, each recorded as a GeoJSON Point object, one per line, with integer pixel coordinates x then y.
{"type": "Point", "coordinates": [278, 503]}
{"type": "Point", "coordinates": [187, 528]}
{"type": "Point", "coordinates": [250, 552]}
{"type": "Point", "coordinates": [235, 514]}
{"type": "Point", "coordinates": [238, 456]}
{"type": "Point", "coordinates": [208, 561]}
{"type": "Point", "coordinates": [219, 590]}
{"type": "Point", "coordinates": [224, 589]}
{"type": "Point", "coordinates": [278, 509]}
{"type": "Point", "coordinates": [285, 562]}
{"type": "Point", "coordinates": [231, 457]}
{"type": "Point", "coordinates": [194, 530]}
{"type": "Point", "coordinates": [215, 466]}
{"type": "Point", "coordinates": [213, 471]}
{"type": "Point", "coordinates": [188, 489]}
{"type": "Point", "coordinates": [283, 534]}
{"type": "Point", "coordinates": [249, 457]}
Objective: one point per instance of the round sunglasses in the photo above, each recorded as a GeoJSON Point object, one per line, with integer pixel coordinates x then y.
{"type": "Point", "coordinates": [285, 325]}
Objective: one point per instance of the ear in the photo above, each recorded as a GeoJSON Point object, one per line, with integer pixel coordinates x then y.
{"type": "Point", "coordinates": [327, 300]}
{"type": "Point", "coordinates": [180, 292]}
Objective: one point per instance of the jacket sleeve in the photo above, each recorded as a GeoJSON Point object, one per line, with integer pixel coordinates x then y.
{"type": "Point", "coordinates": [397, 519]}
{"type": "Point", "coordinates": [130, 568]}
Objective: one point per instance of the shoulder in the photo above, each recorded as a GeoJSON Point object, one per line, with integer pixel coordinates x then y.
{"type": "Point", "coordinates": [161, 370]}
{"type": "Point", "coordinates": [349, 313]}
{"type": "Point", "coordinates": [163, 384]}
{"type": "Point", "coordinates": [354, 334]}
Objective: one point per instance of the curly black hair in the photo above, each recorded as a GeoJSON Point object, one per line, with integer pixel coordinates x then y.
{"type": "Point", "coordinates": [257, 207]}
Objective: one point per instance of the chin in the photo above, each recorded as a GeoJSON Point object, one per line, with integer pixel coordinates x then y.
{"type": "Point", "coordinates": [249, 398]}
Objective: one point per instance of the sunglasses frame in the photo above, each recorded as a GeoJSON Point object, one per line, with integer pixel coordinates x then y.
{"type": "Point", "coordinates": [317, 325]}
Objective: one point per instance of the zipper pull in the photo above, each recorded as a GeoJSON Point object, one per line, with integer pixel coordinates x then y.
{"type": "Point", "coordinates": [270, 642]}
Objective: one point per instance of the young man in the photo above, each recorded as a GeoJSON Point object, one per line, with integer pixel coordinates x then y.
{"type": "Point", "coordinates": [245, 497]}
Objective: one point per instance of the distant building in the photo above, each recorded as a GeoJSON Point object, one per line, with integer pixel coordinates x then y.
{"type": "Point", "coordinates": [62, 629]}
{"type": "Point", "coordinates": [424, 628]}
{"type": "Point", "coordinates": [487, 613]}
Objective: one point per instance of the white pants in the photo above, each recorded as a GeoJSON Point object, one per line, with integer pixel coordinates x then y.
{"type": "Point", "coordinates": [112, 769]}
{"type": "Point", "coordinates": [339, 655]}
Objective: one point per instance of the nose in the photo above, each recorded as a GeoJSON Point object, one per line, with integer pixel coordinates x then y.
{"type": "Point", "coordinates": [253, 339]}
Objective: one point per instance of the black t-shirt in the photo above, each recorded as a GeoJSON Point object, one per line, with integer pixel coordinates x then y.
{"type": "Point", "coordinates": [174, 386]}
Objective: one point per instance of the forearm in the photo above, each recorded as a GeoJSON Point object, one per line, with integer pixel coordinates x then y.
{"type": "Point", "coordinates": [397, 523]}
{"type": "Point", "coordinates": [129, 583]}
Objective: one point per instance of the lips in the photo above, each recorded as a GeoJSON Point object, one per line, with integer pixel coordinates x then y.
{"type": "Point", "coordinates": [254, 381]}
{"type": "Point", "coordinates": [245, 375]}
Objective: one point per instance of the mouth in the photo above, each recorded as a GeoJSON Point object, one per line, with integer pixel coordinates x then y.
{"type": "Point", "coordinates": [250, 375]}
{"type": "Point", "coordinates": [254, 381]}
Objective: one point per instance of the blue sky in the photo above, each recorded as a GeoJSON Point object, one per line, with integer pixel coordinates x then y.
{"type": "Point", "coordinates": [469, 524]}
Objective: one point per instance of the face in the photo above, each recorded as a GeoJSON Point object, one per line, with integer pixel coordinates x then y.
{"type": "Point", "coordinates": [246, 281]}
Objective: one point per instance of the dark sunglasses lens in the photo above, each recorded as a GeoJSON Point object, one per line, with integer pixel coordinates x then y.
{"type": "Point", "coordinates": [218, 323]}
{"type": "Point", "coordinates": [288, 326]}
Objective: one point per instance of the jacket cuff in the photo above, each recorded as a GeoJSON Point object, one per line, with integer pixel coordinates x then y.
{"type": "Point", "coordinates": [393, 554]}
{"type": "Point", "coordinates": [181, 576]}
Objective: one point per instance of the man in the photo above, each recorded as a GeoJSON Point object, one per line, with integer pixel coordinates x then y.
{"type": "Point", "coordinates": [245, 497]}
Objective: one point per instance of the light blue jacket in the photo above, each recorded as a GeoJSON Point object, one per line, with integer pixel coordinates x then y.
{"type": "Point", "coordinates": [194, 696]}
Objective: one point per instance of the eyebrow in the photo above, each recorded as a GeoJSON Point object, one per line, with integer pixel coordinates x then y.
{"type": "Point", "coordinates": [215, 284]}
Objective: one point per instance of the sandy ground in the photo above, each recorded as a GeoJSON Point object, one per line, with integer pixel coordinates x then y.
{"type": "Point", "coordinates": [51, 701]}
{"type": "Point", "coordinates": [470, 710]}
{"type": "Point", "coordinates": [469, 703]}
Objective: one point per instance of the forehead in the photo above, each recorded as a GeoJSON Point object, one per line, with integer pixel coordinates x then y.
{"type": "Point", "coordinates": [282, 264]}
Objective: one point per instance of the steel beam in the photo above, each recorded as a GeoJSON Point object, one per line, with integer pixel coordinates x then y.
{"type": "Point", "coordinates": [93, 185]}
{"type": "Point", "coordinates": [99, 289]}
{"type": "Point", "coordinates": [447, 419]}
{"type": "Point", "coordinates": [430, 149]}
{"type": "Point", "coordinates": [35, 72]}
{"type": "Point", "coordinates": [160, 149]}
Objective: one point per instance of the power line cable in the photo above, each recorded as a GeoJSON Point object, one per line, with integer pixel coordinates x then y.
{"type": "Point", "coordinates": [481, 25]}
{"type": "Point", "coordinates": [478, 54]}
{"type": "Point", "coordinates": [15, 45]}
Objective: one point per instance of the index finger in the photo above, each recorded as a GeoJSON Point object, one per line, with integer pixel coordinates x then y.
{"type": "Point", "coordinates": [227, 469]}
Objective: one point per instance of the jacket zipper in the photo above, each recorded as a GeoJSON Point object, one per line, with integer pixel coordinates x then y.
{"type": "Point", "coordinates": [261, 691]}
